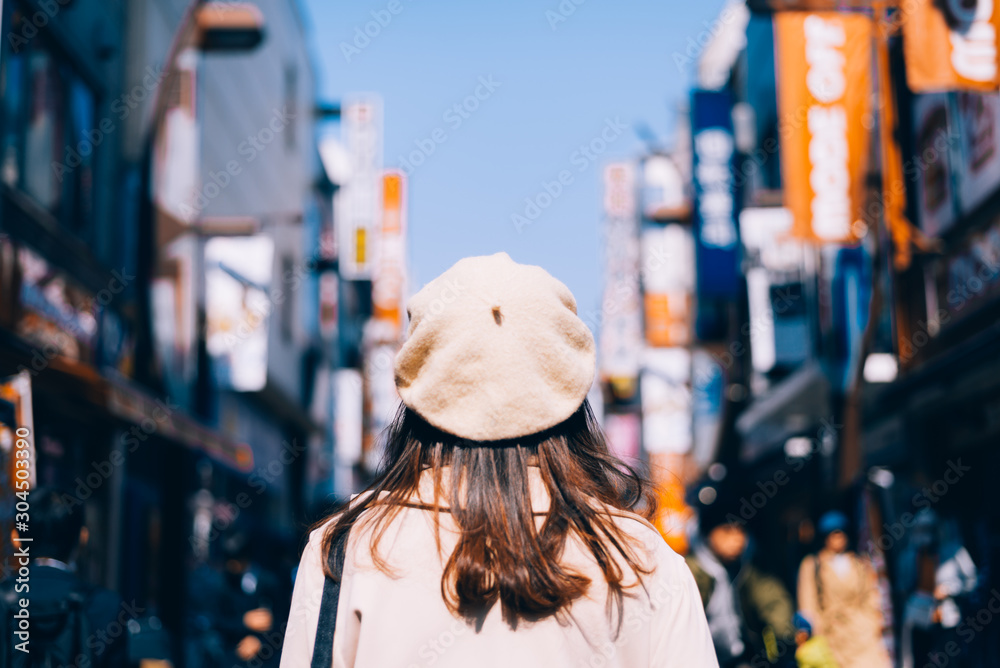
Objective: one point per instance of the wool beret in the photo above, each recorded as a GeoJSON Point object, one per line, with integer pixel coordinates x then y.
{"type": "Point", "coordinates": [495, 351]}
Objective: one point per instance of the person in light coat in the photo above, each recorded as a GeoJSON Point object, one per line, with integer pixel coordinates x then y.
{"type": "Point", "coordinates": [838, 593]}
{"type": "Point", "coordinates": [500, 530]}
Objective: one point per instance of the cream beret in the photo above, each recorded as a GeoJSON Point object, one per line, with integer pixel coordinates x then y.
{"type": "Point", "coordinates": [495, 351]}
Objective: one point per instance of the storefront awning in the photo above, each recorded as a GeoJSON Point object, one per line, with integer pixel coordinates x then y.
{"type": "Point", "coordinates": [85, 386]}
{"type": "Point", "coordinates": [793, 407]}
{"type": "Point", "coordinates": [131, 403]}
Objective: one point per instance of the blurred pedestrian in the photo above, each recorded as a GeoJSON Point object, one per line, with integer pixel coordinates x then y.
{"type": "Point", "coordinates": [838, 593]}
{"type": "Point", "coordinates": [501, 531]}
{"type": "Point", "coordinates": [231, 619]}
{"type": "Point", "coordinates": [72, 622]}
{"type": "Point", "coordinates": [749, 612]}
{"type": "Point", "coordinates": [249, 604]}
{"type": "Point", "coordinates": [939, 577]}
{"type": "Point", "coordinates": [812, 651]}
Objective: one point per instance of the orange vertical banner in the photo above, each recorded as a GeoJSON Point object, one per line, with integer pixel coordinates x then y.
{"type": "Point", "coordinates": [951, 44]}
{"type": "Point", "coordinates": [389, 276]}
{"type": "Point", "coordinates": [667, 319]}
{"type": "Point", "coordinates": [824, 104]}
{"type": "Point", "coordinates": [667, 471]}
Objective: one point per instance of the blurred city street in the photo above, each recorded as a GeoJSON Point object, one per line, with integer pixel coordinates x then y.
{"type": "Point", "coordinates": [780, 219]}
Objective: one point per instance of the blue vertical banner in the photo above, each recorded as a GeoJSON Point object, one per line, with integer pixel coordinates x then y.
{"type": "Point", "coordinates": [850, 296]}
{"type": "Point", "coordinates": [716, 211]}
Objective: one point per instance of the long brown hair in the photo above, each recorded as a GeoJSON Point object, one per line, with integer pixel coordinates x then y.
{"type": "Point", "coordinates": [502, 555]}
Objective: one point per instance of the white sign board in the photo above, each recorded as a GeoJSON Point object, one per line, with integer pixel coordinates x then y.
{"type": "Point", "coordinates": [359, 200]}
{"type": "Point", "coordinates": [621, 307]}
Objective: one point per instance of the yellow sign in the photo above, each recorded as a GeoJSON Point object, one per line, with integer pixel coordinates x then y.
{"type": "Point", "coordinates": [360, 236]}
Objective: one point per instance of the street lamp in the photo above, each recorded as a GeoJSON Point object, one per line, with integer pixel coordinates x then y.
{"type": "Point", "coordinates": [230, 27]}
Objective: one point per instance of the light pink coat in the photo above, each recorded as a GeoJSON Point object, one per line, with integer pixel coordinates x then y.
{"type": "Point", "coordinates": [401, 621]}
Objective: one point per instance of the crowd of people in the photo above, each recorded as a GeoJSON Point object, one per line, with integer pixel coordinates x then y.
{"type": "Point", "coordinates": [753, 617]}
{"type": "Point", "coordinates": [837, 616]}
{"type": "Point", "coordinates": [234, 617]}
{"type": "Point", "coordinates": [835, 619]}
{"type": "Point", "coordinates": [495, 432]}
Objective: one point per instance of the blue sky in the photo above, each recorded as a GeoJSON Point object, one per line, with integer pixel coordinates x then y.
{"type": "Point", "coordinates": [556, 85]}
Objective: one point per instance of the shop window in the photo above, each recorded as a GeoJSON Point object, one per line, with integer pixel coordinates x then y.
{"type": "Point", "coordinates": [50, 131]}
{"type": "Point", "coordinates": [12, 92]}
{"type": "Point", "coordinates": [79, 184]}
{"type": "Point", "coordinates": [792, 340]}
{"type": "Point", "coordinates": [44, 136]}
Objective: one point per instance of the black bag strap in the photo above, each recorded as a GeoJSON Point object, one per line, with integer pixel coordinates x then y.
{"type": "Point", "coordinates": [323, 646]}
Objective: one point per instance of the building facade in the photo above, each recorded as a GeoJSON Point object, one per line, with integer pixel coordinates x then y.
{"type": "Point", "coordinates": [858, 371]}
{"type": "Point", "coordinates": [160, 324]}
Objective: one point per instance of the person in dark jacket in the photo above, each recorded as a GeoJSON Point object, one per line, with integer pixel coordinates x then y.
{"type": "Point", "coordinates": [749, 612]}
{"type": "Point", "coordinates": [88, 624]}
{"type": "Point", "coordinates": [231, 619]}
